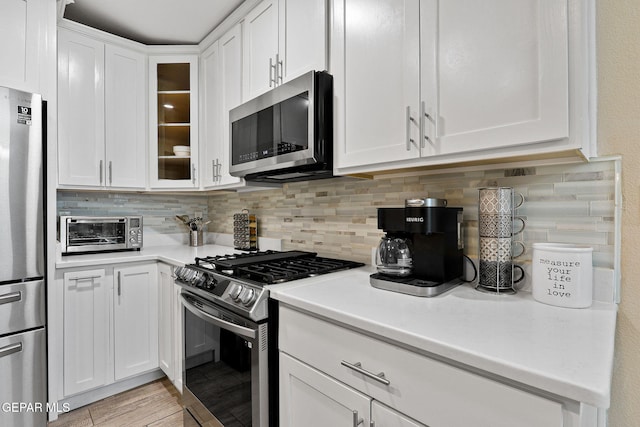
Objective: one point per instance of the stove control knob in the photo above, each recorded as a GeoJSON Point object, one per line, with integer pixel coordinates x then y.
{"type": "Point", "coordinates": [247, 296]}
{"type": "Point", "coordinates": [235, 290]}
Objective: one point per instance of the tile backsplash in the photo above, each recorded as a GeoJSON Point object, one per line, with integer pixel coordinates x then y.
{"type": "Point", "coordinates": [159, 210]}
{"type": "Point", "coordinates": [572, 203]}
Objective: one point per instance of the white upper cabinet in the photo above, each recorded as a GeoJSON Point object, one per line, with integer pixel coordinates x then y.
{"type": "Point", "coordinates": [282, 40]}
{"type": "Point", "coordinates": [173, 121]}
{"type": "Point", "coordinates": [221, 90]}
{"type": "Point", "coordinates": [80, 110]}
{"type": "Point", "coordinates": [504, 83]}
{"type": "Point", "coordinates": [125, 115]}
{"type": "Point", "coordinates": [423, 83]}
{"type": "Point", "coordinates": [101, 114]}
{"type": "Point", "coordinates": [23, 31]}
{"type": "Point", "coordinates": [376, 81]}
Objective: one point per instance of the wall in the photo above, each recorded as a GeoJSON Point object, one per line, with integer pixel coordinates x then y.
{"type": "Point", "coordinates": [618, 49]}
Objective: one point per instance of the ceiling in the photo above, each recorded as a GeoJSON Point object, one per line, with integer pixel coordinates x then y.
{"type": "Point", "coordinates": [153, 21]}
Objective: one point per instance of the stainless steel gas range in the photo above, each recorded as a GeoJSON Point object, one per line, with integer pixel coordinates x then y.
{"type": "Point", "coordinates": [232, 379]}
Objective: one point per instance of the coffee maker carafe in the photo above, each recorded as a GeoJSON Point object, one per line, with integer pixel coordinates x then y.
{"type": "Point", "coordinates": [433, 233]}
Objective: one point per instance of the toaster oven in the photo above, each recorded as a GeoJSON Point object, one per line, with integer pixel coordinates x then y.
{"type": "Point", "coordinates": [85, 234]}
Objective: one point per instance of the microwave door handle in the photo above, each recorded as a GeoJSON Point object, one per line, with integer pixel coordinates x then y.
{"type": "Point", "coordinates": [236, 329]}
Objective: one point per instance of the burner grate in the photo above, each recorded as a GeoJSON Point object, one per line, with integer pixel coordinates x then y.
{"type": "Point", "coordinates": [271, 267]}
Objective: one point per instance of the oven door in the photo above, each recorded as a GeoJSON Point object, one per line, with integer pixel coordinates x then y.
{"type": "Point", "coordinates": [226, 386]}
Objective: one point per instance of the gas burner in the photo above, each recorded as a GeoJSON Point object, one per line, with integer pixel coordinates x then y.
{"type": "Point", "coordinates": [237, 281]}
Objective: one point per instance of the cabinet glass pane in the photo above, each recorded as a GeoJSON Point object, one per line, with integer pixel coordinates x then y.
{"type": "Point", "coordinates": [173, 108]}
{"type": "Point", "coordinates": [173, 77]}
{"type": "Point", "coordinates": [174, 168]}
{"type": "Point", "coordinates": [171, 166]}
{"type": "Point", "coordinates": [174, 116]}
{"type": "Point", "coordinates": [169, 136]}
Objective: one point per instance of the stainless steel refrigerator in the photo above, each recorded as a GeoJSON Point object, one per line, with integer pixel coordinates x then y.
{"type": "Point", "coordinates": [23, 369]}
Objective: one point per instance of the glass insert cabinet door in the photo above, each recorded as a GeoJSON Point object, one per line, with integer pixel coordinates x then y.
{"type": "Point", "coordinates": [173, 98]}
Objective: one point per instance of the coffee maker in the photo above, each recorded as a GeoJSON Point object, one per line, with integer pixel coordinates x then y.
{"type": "Point", "coordinates": [433, 233]}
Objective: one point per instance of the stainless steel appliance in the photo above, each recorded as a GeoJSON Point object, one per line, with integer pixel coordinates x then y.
{"type": "Point", "coordinates": [435, 233]}
{"type": "Point", "coordinates": [236, 383]}
{"type": "Point", "coordinates": [286, 134]}
{"type": "Point", "coordinates": [22, 261]}
{"type": "Point", "coordinates": [86, 234]}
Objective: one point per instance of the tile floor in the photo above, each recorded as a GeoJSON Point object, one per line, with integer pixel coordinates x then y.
{"type": "Point", "coordinates": [156, 404]}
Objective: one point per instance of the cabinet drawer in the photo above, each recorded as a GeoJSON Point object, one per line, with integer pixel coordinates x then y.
{"type": "Point", "coordinates": [430, 391]}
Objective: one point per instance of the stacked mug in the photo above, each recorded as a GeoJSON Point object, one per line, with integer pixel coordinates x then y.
{"type": "Point", "coordinates": [496, 222]}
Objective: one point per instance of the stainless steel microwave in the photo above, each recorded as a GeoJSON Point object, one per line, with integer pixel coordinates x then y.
{"type": "Point", "coordinates": [285, 134]}
{"type": "Point", "coordinates": [86, 234]}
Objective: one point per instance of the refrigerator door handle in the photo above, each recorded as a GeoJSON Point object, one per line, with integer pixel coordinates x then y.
{"type": "Point", "coordinates": [10, 349]}
{"type": "Point", "coordinates": [12, 297]}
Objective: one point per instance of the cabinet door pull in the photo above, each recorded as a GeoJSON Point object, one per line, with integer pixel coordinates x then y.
{"type": "Point", "coordinates": [279, 67]}
{"type": "Point", "coordinates": [272, 78]}
{"type": "Point", "coordinates": [10, 349]}
{"type": "Point", "coordinates": [218, 165]}
{"type": "Point", "coordinates": [213, 171]}
{"type": "Point", "coordinates": [100, 172]}
{"type": "Point", "coordinates": [119, 283]}
{"type": "Point", "coordinates": [409, 120]}
{"type": "Point", "coordinates": [358, 368]}
{"type": "Point", "coordinates": [12, 297]}
{"type": "Point", "coordinates": [110, 172]}
{"type": "Point", "coordinates": [423, 118]}
{"type": "Point", "coordinates": [193, 173]}
{"type": "Point", "coordinates": [356, 420]}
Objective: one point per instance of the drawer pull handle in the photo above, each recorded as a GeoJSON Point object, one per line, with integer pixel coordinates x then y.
{"type": "Point", "coordinates": [358, 368]}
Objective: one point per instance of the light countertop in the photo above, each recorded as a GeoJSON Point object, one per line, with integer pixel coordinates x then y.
{"type": "Point", "coordinates": [568, 352]}
{"type": "Point", "coordinates": [172, 254]}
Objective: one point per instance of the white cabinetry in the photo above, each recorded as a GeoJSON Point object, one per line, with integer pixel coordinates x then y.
{"type": "Point", "coordinates": [23, 31]}
{"type": "Point", "coordinates": [110, 325]}
{"type": "Point", "coordinates": [431, 83]}
{"type": "Point", "coordinates": [101, 113]}
{"type": "Point", "coordinates": [315, 399]}
{"type": "Point", "coordinates": [409, 387]}
{"type": "Point", "coordinates": [86, 330]}
{"type": "Point", "coordinates": [310, 398]}
{"type": "Point", "coordinates": [282, 40]}
{"type": "Point", "coordinates": [170, 326]}
{"type": "Point", "coordinates": [166, 321]}
{"type": "Point", "coordinates": [173, 107]}
{"type": "Point", "coordinates": [221, 90]}
{"type": "Point", "coordinates": [135, 311]}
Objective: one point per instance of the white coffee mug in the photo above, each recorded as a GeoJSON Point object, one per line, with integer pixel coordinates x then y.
{"type": "Point", "coordinates": [562, 274]}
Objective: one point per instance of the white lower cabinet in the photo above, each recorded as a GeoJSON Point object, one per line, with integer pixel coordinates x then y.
{"type": "Point", "coordinates": [166, 321]}
{"type": "Point", "coordinates": [110, 325]}
{"type": "Point", "coordinates": [326, 366]}
{"type": "Point", "coordinates": [383, 416]}
{"type": "Point", "coordinates": [312, 399]}
{"type": "Point", "coordinates": [86, 330]}
{"type": "Point", "coordinates": [135, 320]}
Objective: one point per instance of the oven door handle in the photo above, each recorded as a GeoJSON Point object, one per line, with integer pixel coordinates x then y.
{"type": "Point", "coordinates": [232, 327]}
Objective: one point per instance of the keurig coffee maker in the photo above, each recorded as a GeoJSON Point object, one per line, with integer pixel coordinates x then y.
{"type": "Point", "coordinates": [421, 253]}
